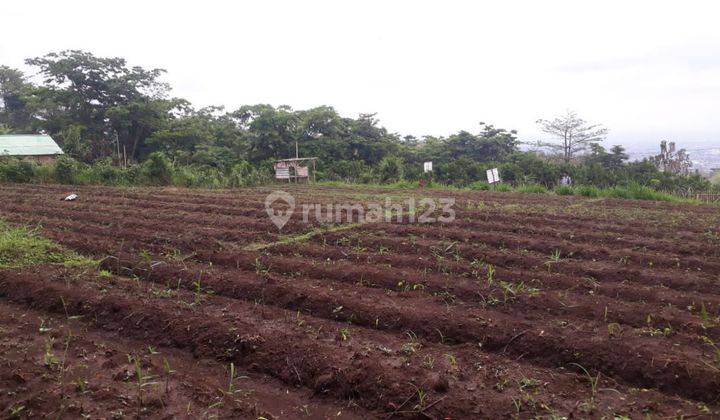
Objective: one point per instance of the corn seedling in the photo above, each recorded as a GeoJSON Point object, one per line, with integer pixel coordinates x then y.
{"type": "Point", "coordinates": [412, 346]}
{"type": "Point", "coordinates": [81, 385]}
{"type": "Point", "coordinates": [145, 256]}
{"type": "Point", "coordinates": [429, 362]}
{"type": "Point", "coordinates": [43, 329]}
{"type": "Point", "coordinates": [344, 334]}
{"type": "Point", "coordinates": [529, 383]}
{"type": "Point", "coordinates": [168, 372]}
{"type": "Point", "coordinates": [15, 412]}
{"type": "Point", "coordinates": [447, 297]}
{"type": "Point", "coordinates": [260, 268]}
{"type": "Point", "coordinates": [517, 403]}
{"type": "Point", "coordinates": [49, 359]}
{"type": "Point", "coordinates": [142, 381]}
{"type": "Point", "coordinates": [594, 381]}
{"type": "Point", "coordinates": [452, 360]}
{"type": "Point", "coordinates": [555, 258]}
{"type": "Point", "coordinates": [704, 316]}
{"type": "Point", "coordinates": [231, 386]}
{"type": "Point", "coordinates": [716, 350]}
{"type": "Point", "coordinates": [614, 329]}
{"type": "Point", "coordinates": [475, 268]}
{"type": "Point", "coordinates": [490, 274]}
{"type": "Point", "coordinates": [422, 396]}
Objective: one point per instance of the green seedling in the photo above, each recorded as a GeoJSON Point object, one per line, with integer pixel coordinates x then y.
{"type": "Point", "coordinates": [594, 381]}
{"type": "Point", "coordinates": [344, 334]}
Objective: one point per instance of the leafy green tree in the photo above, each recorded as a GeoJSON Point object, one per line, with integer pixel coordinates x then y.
{"type": "Point", "coordinates": [270, 133]}
{"type": "Point", "coordinates": [108, 99]}
{"type": "Point", "coordinates": [72, 142]}
{"type": "Point", "coordinates": [461, 171]}
{"type": "Point", "coordinates": [16, 102]}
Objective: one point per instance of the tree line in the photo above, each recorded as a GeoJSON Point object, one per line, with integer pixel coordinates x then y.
{"type": "Point", "coordinates": [119, 124]}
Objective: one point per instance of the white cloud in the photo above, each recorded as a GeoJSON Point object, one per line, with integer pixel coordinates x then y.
{"type": "Point", "coordinates": [646, 69]}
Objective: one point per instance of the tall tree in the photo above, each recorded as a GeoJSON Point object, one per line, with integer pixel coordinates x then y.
{"type": "Point", "coordinates": [571, 134]}
{"type": "Point", "coordinates": [16, 111]}
{"type": "Point", "coordinates": [108, 100]}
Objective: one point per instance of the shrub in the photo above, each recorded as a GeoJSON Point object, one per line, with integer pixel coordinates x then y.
{"type": "Point", "coordinates": [390, 169]}
{"type": "Point", "coordinates": [104, 172]}
{"type": "Point", "coordinates": [637, 192]}
{"type": "Point", "coordinates": [564, 190]}
{"type": "Point", "coordinates": [479, 185]}
{"type": "Point", "coordinates": [16, 170]}
{"type": "Point", "coordinates": [588, 191]}
{"type": "Point", "coordinates": [65, 170]}
{"type": "Point", "coordinates": [244, 174]}
{"type": "Point", "coordinates": [502, 187]}
{"type": "Point", "coordinates": [404, 184]}
{"type": "Point", "coordinates": [344, 170]}
{"type": "Point", "coordinates": [532, 189]}
{"type": "Point", "coordinates": [44, 174]}
{"type": "Point", "coordinates": [158, 169]}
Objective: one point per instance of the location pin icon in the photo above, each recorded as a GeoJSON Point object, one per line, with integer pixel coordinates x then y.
{"type": "Point", "coordinates": [279, 217]}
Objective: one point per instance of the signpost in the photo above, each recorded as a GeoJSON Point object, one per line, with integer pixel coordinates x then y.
{"type": "Point", "coordinates": [428, 167]}
{"type": "Point", "coordinates": [493, 176]}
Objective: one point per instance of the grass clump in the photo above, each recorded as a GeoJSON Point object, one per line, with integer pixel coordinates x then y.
{"type": "Point", "coordinates": [23, 247]}
{"type": "Point", "coordinates": [564, 190]}
{"type": "Point", "coordinates": [532, 189]}
{"type": "Point", "coordinates": [638, 192]}
{"type": "Point", "coordinates": [588, 191]}
{"type": "Point", "coordinates": [479, 186]}
{"type": "Point", "coordinates": [502, 187]}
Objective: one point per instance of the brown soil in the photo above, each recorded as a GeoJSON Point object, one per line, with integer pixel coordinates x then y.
{"type": "Point", "coordinates": [513, 310]}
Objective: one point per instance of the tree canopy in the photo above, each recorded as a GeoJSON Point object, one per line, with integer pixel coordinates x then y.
{"type": "Point", "coordinates": [103, 111]}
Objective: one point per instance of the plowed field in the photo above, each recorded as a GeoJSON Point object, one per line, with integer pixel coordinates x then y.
{"type": "Point", "coordinates": [524, 306]}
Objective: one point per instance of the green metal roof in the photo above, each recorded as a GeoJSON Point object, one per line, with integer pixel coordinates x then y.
{"type": "Point", "coordinates": [28, 145]}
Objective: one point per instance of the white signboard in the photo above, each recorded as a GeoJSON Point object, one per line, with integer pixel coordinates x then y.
{"type": "Point", "coordinates": [493, 176]}
{"type": "Point", "coordinates": [428, 166]}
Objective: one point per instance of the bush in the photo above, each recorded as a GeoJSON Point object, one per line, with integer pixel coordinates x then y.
{"type": "Point", "coordinates": [564, 190]}
{"type": "Point", "coordinates": [532, 189]}
{"type": "Point", "coordinates": [502, 187]}
{"type": "Point", "coordinates": [588, 191]}
{"type": "Point", "coordinates": [405, 184]}
{"type": "Point", "coordinates": [459, 172]}
{"type": "Point", "coordinates": [104, 172]}
{"type": "Point", "coordinates": [65, 170]}
{"type": "Point", "coordinates": [349, 171]}
{"type": "Point", "coordinates": [158, 169]}
{"type": "Point", "coordinates": [44, 174]}
{"type": "Point", "coordinates": [637, 192]}
{"type": "Point", "coordinates": [479, 185]}
{"type": "Point", "coordinates": [16, 170]}
{"type": "Point", "coordinates": [390, 169]}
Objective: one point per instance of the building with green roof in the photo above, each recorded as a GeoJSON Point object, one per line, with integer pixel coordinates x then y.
{"type": "Point", "coordinates": [38, 147]}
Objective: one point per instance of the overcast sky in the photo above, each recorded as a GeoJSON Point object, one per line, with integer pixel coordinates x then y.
{"type": "Point", "coordinates": [647, 70]}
